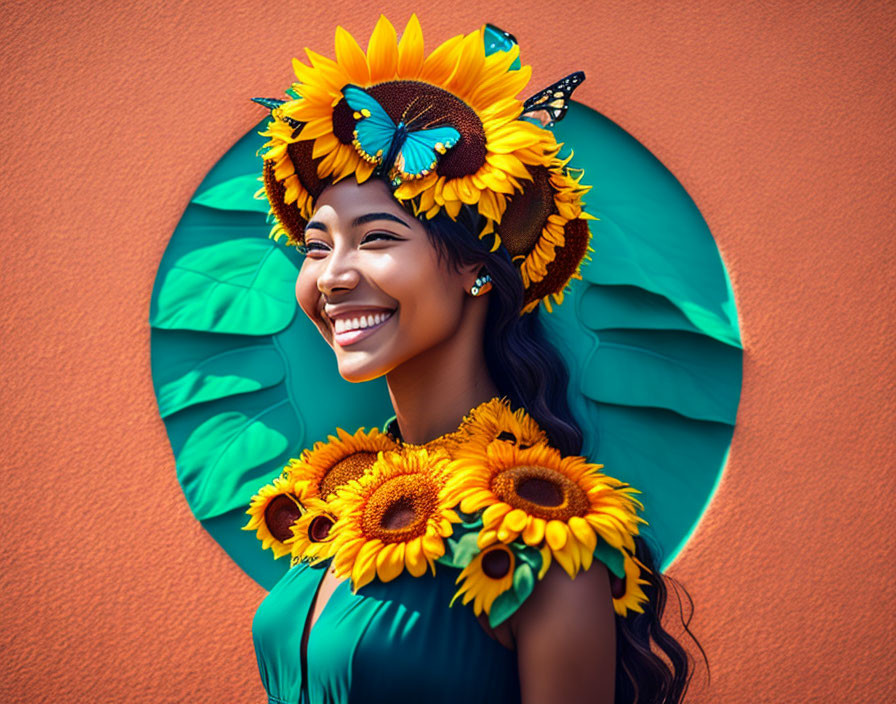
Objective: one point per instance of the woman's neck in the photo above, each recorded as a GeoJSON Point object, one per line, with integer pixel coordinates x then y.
{"type": "Point", "coordinates": [432, 392]}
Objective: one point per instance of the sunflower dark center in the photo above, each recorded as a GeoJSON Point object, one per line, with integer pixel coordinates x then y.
{"type": "Point", "coordinates": [541, 491]}
{"type": "Point", "coordinates": [563, 267]}
{"type": "Point", "coordinates": [348, 468]}
{"type": "Point", "coordinates": [527, 213]}
{"type": "Point", "coordinates": [496, 563]}
{"type": "Point", "coordinates": [617, 586]}
{"type": "Point", "coordinates": [279, 515]}
{"type": "Point", "coordinates": [400, 514]}
{"type": "Point", "coordinates": [399, 509]}
{"type": "Point", "coordinates": [319, 528]}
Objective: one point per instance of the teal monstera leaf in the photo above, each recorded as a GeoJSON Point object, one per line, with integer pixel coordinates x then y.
{"type": "Point", "coordinates": [650, 334]}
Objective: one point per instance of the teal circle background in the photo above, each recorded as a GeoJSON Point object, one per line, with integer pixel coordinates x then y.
{"type": "Point", "coordinates": [650, 334]}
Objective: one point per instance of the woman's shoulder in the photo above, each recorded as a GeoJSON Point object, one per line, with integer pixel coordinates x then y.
{"type": "Point", "coordinates": [493, 500]}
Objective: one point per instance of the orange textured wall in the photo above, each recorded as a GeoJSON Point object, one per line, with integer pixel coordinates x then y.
{"type": "Point", "coordinates": [776, 117]}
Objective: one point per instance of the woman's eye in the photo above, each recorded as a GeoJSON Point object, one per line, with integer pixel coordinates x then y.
{"type": "Point", "coordinates": [312, 246]}
{"type": "Point", "coordinates": [373, 236]}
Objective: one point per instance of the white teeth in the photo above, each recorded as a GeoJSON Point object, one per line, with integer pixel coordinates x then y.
{"type": "Point", "coordinates": [360, 323]}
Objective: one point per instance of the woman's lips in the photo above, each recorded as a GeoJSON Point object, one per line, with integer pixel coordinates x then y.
{"type": "Point", "coordinates": [350, 337]}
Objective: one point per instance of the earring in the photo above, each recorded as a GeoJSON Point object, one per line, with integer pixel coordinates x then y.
{"type": "Point", "coordinates": [483, 284]}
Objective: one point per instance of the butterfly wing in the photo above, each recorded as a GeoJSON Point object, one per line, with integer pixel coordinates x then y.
{"type": "Point", "coordinates": [421, 150]}
{"type": "Point", "coordinates": [554, 100]}
{"type": "Point", "coordinates": [374, 129]}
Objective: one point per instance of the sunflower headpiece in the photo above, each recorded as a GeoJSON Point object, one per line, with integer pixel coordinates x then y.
{"type": "Point", "coordinates": [445, 130]}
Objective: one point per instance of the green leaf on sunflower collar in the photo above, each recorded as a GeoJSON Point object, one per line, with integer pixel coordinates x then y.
{"type": "Point", "coordinates": [470, 521]}
{"type": "Point", "coordinates": [507, 603]}
{"type": "Point", "coordinates": [460, 548]}
{"type": "Point", "coordinates": [528, 564]}
{"type": "Point", "coordinates": [611, 557]}
{"type": "Point", "coordinates": [234, 194]}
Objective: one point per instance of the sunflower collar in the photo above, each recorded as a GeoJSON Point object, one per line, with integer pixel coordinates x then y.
{"type": "Point", "coordinates": [492, 499]}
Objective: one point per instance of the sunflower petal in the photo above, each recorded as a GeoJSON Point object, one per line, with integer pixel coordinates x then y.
{"type": "Point", "coordinates": [533, 533]}
{"type": "Point", "coordinates": [414, 557]}
{"type": "Point", "coordinates": [516, 520]}
{"type": "Point", "coordinates": [439, 65]}
{"type": "Point", "coordinates": [382, 51]}
{"type": "Point", "coordinates": [390, 562]}
{"type": "Point", "coordinates": [352, 57]}
{"type": "Point", "coordinates": [410, 49]}
{"type": "Point", "coordinates": [556, 533]}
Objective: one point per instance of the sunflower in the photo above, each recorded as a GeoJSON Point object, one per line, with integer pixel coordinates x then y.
{"type": "Point", "coordinates": [560, 224]}
{"type": "Point", "coordinates": [494, 420]}
{"type": "Point", "coordinates": [392, 518]}
{"type": "Point", "coordinates": [477, 92]}
{"type": "Point", "coordinates": [535, 493]}
{"type": "Point", "coordinates": [489, 421]}
{"type": "Point", "coordinates": [320, 471]}
{"type": "Point", "coordinates": [273, 511]}
{"type": "Point", "coordinates": [630, 596]}
{"type": "Point", "coordinates": [488, 575]}
{"type": "Point", "coordinates": [312, 538]}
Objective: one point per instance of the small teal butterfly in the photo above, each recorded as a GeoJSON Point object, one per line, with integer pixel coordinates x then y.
{"type": "Point", "coordinates": [407, 153]}
{"type": "Point", "coordinates": [496, 39]}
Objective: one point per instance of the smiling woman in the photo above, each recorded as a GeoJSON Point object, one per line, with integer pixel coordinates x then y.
{"type": "Point", "coordinates": [436, 220]}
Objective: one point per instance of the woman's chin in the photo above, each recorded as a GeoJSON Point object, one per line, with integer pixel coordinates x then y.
{"type": "Point", "coordinates": [356, 374]}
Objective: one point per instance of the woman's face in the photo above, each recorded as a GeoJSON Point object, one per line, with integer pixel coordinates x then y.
{"type": "Point", "coordinates": [372, 282]}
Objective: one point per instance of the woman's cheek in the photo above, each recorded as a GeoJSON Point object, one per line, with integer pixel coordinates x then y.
{"type": "Point", "coordinates": [306, 292]}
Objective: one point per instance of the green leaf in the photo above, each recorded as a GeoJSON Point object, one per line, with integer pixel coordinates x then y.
{"type": "Point", "coordinates": [527, 554]}
{"type": "Point", "coordinates": [649, 232]}
{"type": "Point", "coordinates": [234, 194]}
{"type": "Point", "coordinates": [244, 548]}
{"type": "Point", "coordinates": [461, 549]}
{"type": "Point", "coordinates": [223, 462]}
{"type": "Point", "coordinates": [225, 374]}
{"type": "Point", "coordinates": [507, 603]}
{"type": "Point", "coordinates": [629, 307]}
{"type": "Point", "coordinates": [243, 286]}
{"type": "Point", "coordinates": [686, 373]}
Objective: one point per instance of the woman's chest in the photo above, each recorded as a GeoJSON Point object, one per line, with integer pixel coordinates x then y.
{"type": "Point", "coordinates": [395, 641]}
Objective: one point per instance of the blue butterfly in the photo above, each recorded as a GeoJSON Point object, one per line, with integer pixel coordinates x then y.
{"type": "Point", "coordinates": [407, 153]}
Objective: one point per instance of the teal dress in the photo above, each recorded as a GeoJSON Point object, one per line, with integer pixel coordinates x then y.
{"type": "Point", "coordinates": [389, 642]}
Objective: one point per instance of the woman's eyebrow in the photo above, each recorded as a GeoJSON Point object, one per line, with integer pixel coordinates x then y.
{"type": "Point", "coordinates": [369, 217]}
{"type": "Point", "coordinates": [315, 225]}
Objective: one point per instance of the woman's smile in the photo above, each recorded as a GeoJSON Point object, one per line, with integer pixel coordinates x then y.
{"type": "Point", "coordinates": [353, 326]}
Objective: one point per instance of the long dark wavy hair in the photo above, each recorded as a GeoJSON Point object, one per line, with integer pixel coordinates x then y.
{"type": "Point", "coordinates": [530, 372]}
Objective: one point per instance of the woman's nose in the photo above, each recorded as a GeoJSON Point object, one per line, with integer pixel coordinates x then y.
{"type": "Point", "coordinates": [339, 274]}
